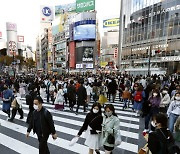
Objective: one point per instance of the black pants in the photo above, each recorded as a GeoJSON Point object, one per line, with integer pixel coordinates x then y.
{"type": "Point", "coordinates": [14, 111]}
{"type": "Point", "coordinates": [72, 103]}
{"type": "Point", "coordinates": [7, 112]}
{"type": "Point", "coordinates": [43, 147]}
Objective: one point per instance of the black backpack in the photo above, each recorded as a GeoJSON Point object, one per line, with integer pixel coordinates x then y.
{"type": "Point", "coordinates": [167, 143]}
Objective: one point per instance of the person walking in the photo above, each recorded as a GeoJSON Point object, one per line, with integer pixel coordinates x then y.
{"type": "Point", "coordinates": [71, 94]}
{"type": "Point", "coordinates": [154, 102]}
{"type": "Point", "coordinates": [174, 111]}
{"type": "Point", "coordinates": [59, 101]}
{"type": "Point", "coordinates": [7, 97]}
{"type": "Point", "coordinates": [81, 96]}
{"type": "Point", "coordinates": [92, 125]}
{"type": "Point", "coordinates": [138, 98]}
{"type": "Point", "coordinates": [126, 95]}
{"type": "Point", "coordinates": [42, 124]}
{"type": "Point", "coordinates": [157, 140]}
{"type": "Point", "coordinates": [17, 106]}
{"type": "Point", "coordinates": [165, 100]}
{"type": "Point", "coordinates": [110, 126]}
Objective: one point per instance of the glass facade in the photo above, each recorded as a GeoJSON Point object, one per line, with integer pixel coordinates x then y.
{"type": "Point", "coordinates": [151, 26]}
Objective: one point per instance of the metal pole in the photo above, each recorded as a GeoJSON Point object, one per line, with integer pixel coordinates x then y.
{"type": "Point", "coordinates": [150, 50]}
{"type": "Point", "coordinates": [120, 35]}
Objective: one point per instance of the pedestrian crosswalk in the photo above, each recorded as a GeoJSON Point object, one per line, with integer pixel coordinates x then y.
{"type": "Point", "coordinates": [67, 124]}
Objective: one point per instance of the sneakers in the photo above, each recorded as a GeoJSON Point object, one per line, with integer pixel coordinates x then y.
{"type": "Point", "coordinates": [145, 130]}
{"type": "Point", "coordinates": [10, 119]}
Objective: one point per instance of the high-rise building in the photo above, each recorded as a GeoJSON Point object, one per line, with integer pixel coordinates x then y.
{"type": "Point", "coordinates": [151, 28]}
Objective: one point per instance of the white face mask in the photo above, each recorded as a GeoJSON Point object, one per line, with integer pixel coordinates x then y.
{"type": "Point", "coordinates": [108, 114]}
{"type": "Point", "coordinates": [153, 124]}
{"type": "Point", "coordinates": [164, 92]}
{"type": "Point", "coordinates": [177, 98]}
{"type": "Point", "coordinates": [95, 111]}
{"type": "Point", "coordinates": [36, 107]}
{"type": "Point", "coordinates": [155, 94]}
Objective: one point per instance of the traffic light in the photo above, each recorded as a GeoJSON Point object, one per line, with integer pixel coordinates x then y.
{"type": "Point", "coordinates": [115, 52]}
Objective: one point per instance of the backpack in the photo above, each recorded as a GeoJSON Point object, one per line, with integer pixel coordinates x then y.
{"type": "Point", "coordinates": [170, 147]}
{"type": "Point", "coordinates": [138, 96]}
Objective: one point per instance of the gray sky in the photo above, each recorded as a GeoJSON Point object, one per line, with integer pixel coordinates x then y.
{"type": "Point", "coordinates": [26, 14]}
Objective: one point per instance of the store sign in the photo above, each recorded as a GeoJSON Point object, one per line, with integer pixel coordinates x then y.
{"type": "Point", "coordinates": [148, 47]}
{"type": "Point", "coordinates": [84, 66]}
{"type": "Point", "coordinates": [171, 58]}
{"type": "Point", "coordinates": [163, 10]}
{"type": "Point", "coordinates": [46, 14]}
{"type": "Point", "coordinates": [111, 22]}
{"type": "Point", "coordinates": [85, 5]}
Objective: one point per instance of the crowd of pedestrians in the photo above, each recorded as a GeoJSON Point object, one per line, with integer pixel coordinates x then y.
{"type": "Point", "coordinates": [155, 98]}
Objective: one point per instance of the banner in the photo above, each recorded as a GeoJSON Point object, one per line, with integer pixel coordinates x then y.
{"type": "Point", "coordinates": [85, 5]}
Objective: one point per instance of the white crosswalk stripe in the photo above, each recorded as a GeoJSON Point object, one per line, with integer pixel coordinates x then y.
{"type": "Point", "coordinates": [68, 124]}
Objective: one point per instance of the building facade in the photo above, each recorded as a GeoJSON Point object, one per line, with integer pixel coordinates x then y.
{"type": "Point", "coordinates": [151, 34]}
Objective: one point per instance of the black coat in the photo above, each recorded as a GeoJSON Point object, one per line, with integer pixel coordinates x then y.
{"type": "Point", "coordinates": [155, 141]}
{"type": "Point", "coordinates": [82, 95]}
{"type": "Point", "coordinates": [93, 120]}
{"type": "Point", "coordinates": [71, 92]}
{"type": "Point", "coordinates": [46, 124]}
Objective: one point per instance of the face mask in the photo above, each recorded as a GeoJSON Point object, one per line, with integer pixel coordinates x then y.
{"type": "Point", "coordinates": [155, 94]}
{"type": "Point", "coordinates": [108, 114]}
{"type": "Point", "coordinates": [95, 111]}
{"type": "Point", "coordinates": [36, 107]}
{"type": "Point", "coordinates": [153, 124]}
{"type": "Point", "coordinates": [164, 92]}
{"type": "Point", "coordinates": [177, 98]}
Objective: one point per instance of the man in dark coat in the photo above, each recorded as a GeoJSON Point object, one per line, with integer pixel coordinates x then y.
{"type": "Point", "coordinates": [42, 124]}
{"type": "Point", "coordinates": [112, 89]}
{"type": "Point", "coordinates": [82, 96]}
{"type": "Point", "coordinates": [71, 94]}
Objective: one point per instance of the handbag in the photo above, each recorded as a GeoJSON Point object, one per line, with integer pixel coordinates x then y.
{"type": "Point", "coordinates": [144, 150]}
{"type": "Point", "coordinates": [14, 104]}
{"type": "Point", "coordinates": [111, 138]}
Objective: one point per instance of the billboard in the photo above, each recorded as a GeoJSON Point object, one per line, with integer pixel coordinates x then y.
{"type": "Point", "coordinates": [46, 14]}
{"type": "Point", "coordinates": [61, 9]}
{"type": "Point", "coordinates": [72, 58]}
{"type": "Point", "coordinates": [85, 5]}
{"type": "Point", "coordinates": [85, 30]}
{"type": "Point", "coordinates": [63, 13]}
{"type": "Point", "coordinates": [114, 22]}
{"type": "Point", "coordinates": [84, 54]}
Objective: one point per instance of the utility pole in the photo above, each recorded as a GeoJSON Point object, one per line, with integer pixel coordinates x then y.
{"type": "Point", "coordinates": [120, 35]}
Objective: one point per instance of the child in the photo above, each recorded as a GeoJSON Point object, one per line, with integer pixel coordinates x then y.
{"type": "Point", "coordinates": [126, 95]}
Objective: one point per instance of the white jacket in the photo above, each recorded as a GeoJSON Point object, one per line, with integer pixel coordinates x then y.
{"type": "Point", "coordinates": [165, 100]}
{"type": "Point", "coordinates": [59, 98]}
{"type": "Point", "coordinates": [88, 90]}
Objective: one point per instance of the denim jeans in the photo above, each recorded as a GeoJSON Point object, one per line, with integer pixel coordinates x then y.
{"type": "Point", "coordinates": [125, 103]}
{"type": "Point", "coordinates": [172, 120]}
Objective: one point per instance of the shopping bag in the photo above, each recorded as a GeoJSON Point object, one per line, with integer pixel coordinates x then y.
{"type": "Point", "coordinates": [145, 150]}
{"type": "Point", "coordinates": [73, 141]}
{"type": "Point", "coordinates": [14, 103]}
{"type": "Point", "coordinates": [102, 99]}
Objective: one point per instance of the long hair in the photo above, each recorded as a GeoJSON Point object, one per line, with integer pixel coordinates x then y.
{"type": "Point", "coordinates": [111, 107]}
{"type": "Point", "coordinates": [99, 106]}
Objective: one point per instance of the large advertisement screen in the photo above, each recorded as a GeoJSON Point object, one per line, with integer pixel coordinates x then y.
{"type": "Point", "coordinates": [84, 54]}
{"type": "Point", "coordinates": [85, 30]}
